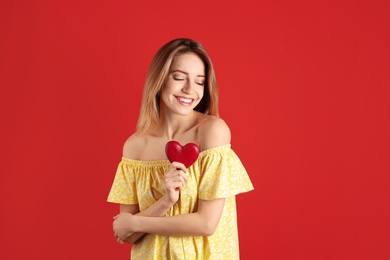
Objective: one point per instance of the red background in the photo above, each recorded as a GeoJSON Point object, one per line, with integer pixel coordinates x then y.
{"type": "Point", "coordinates": [304, 87]}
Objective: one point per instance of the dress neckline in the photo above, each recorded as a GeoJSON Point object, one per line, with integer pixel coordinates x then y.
{"type": "Point", "coordinates": [166, 161]}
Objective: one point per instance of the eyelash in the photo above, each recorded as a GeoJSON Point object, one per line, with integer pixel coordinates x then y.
{"type": "Point", "coordinates": [179, 79]}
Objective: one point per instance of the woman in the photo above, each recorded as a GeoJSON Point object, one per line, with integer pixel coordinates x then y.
{"type": "Point", "coordinates": [168, 211]}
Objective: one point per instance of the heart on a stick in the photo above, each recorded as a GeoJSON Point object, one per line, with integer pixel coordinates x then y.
{"type": "Point", "coordinates": [186, 154]}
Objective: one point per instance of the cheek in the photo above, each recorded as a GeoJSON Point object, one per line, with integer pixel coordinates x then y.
{"type": "Point", "coordinates": [164, 94]}
{"type": "Point", "coordinates": [172, 86]}
{"type": "Point", "coordinates": [168, 88]}
{"type": "Point", "coordinates": [200, 92]}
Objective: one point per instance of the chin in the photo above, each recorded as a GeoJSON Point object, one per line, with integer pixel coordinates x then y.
{"type": "Point", "coordinates": [185, 112]}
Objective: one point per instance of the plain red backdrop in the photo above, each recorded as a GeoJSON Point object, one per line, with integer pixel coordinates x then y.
{"type": "Point", "coordinates": [304, 87]}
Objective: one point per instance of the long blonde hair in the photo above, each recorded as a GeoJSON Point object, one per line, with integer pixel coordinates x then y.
{"type": "Point", "coordinates": [157, 74]}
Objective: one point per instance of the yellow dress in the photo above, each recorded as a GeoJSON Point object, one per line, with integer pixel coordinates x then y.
{"type": "Point", "coordinates": [218, 173]}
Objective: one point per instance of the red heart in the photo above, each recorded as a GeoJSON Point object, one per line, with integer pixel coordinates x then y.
{"type": "Point", "coordinates": [186, 154]}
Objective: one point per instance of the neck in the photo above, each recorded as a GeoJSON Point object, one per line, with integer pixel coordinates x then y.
{"type": "Point", "coordinates": [171, 128]}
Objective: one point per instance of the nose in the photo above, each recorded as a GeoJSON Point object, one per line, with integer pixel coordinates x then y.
{"type": "Point", "coordinates": [188, 88]}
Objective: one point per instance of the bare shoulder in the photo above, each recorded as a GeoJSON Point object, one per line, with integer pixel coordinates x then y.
{"type": "Point", "coordinates": [213, 131]}
{"type": "Point", "coordinates": [133, 146]}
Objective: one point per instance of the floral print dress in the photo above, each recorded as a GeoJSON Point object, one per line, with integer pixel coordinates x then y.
{"type": "Point", "coordinates": [217, 173]}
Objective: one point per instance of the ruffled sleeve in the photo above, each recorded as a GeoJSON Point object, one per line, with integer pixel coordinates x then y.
{"type": "Point", "coordinates": [123, 189]}
{"type": "Point", "coordinates": [222, 174]}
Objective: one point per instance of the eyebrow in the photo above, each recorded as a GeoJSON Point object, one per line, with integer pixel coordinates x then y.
{"type": "Point", "coordinates": [203, 76]}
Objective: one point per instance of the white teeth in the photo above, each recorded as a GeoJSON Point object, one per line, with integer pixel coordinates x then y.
{"type": "Point", "coordinates": [185, 100]}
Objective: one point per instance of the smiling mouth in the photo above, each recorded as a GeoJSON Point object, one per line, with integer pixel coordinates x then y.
{"type": "Point", "coordinates": [185, 101]}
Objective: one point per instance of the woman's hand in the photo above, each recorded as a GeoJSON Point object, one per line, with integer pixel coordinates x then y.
{"type": "Point", "coordinates": [122, 226]}
{"type": "Point", "coordinates": [174, 180]}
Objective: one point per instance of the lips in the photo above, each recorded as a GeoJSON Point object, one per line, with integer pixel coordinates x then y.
{"type": "Point", "coordinates": [185, 101]}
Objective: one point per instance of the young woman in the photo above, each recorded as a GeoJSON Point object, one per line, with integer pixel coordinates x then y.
{"type": "Point", "coordinates": [168, 211]}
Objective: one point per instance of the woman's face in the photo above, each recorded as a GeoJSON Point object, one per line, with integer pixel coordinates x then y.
{"type": "Point", "coordinates": [184, 87]}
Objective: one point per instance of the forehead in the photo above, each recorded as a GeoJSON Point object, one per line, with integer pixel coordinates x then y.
{"type": "Point", "coordinates": [188, 62]}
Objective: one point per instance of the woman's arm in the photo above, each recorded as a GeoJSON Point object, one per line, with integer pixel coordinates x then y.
{"type": "Point", "coordinates": [201, 223]}
{"type": "Point", "coordinates": [174, 179]}
{"type": "Point", "coordinates": [158, 209]}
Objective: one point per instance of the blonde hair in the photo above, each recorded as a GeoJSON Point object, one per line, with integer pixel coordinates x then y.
{"type": "Point", "coordinates": [157, 74]}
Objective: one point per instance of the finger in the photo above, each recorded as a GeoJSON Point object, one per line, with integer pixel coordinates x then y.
{"type": "Point", "coordinates": [169, 174]}
{"type": "Point", "coordinates": [178, 176]}
{"type": "Point", "coordinates": [172, 168]}
{"type": "Point", "coordinates": [178, 185]}
{"type": "Point", "coordinates": [179, 165]}
{"type": "Point", "coordinates": [174, 185]}
{"type": "Point", "coordinates": [185, 177]}
{"type": "Point", "coordinates": [180, 182]}
{"type": "Point", "coordinates": [181, 178]}
{"type": "Point", "coordinates": [175, 174]}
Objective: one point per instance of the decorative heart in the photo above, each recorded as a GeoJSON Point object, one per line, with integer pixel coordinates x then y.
{"type": "Point", "coordinates": [186, 154]}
